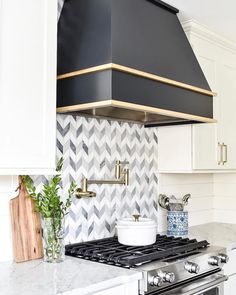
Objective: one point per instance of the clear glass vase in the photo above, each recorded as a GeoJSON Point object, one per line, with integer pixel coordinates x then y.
{"type": "Point", "coordinates": [53, 239]}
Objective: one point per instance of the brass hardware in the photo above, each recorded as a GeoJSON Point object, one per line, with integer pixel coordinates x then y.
{"type": "Point", "coordinates": [83, 191]}
{"type": "Point", "coordinates": [226, 153]}
{"type": "Point", "coordinates": [119, 171]}
{"type": "Point", "coordinates": [114, 109]}
{"type": "Point", "coordinates": [136, 217]}
{"type": "Point", "coordinates": [132, 71]}
{"type": "Point", "coordinates": [85, 71]}
{"type": "Point", "coordinates": [225, 149]}
{"type": "Point", "coordinates": [221, 153]}
{"type": "Point", "coordinates": [88, 194]}
{"type": "Point", "coordinates": [126, 176]}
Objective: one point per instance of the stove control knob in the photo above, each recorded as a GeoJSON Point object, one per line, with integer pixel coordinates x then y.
{"type": "Point", "coordinates": [155, 281]}
{"type": "Point", "coordinates": [214, 261]}
{"type": "Point", "coordinates": [192, 267]}
{"type": "Point", "coordinates": [168, 277]}
{"type": "Point", "coordinates": [223, 257]}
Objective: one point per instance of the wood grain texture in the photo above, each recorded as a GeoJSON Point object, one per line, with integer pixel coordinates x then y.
{"type": "Point", "coordinates": [26, 227]}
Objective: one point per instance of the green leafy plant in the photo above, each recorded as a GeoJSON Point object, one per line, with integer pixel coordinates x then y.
{"type": "Point", "coordinates": [48, 203]}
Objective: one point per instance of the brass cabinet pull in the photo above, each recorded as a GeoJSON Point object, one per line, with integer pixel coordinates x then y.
{"type": "Point", "coordinates": [225, 148]}
{"type": "Point", "coordinates": [221, 153]}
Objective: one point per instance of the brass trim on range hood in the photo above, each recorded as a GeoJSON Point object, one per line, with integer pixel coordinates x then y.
{"type": "Point", "coordinates": [113, 66]}
{"type": "Point", "coordinates": [132, 107]}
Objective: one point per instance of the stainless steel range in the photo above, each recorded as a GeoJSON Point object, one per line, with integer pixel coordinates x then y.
{"type": "Point", "coordinates": [170, 266]}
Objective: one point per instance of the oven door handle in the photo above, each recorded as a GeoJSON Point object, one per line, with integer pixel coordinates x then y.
{"type": "Point", "coordinates": [197, 287]}
{"type": "Point", "coordinates": [207, 286]}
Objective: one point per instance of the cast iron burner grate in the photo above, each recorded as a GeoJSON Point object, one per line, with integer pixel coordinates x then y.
{"type": "Point", "coordinates": [110, 251]}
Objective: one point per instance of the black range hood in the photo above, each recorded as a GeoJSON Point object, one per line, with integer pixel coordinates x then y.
{"type": "Point", "coordinates": [129, 60]}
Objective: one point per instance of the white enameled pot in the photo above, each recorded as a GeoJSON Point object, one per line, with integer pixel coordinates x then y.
{"type": "Point", "coordinates": [136, 233]}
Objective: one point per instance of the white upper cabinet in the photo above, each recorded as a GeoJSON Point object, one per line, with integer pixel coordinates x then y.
{"type": "Point", "coordinates": [28, 41]}
{"type": "Point", "coordinates": [228, 115]}
{"type": "Point", "coordinates": [206, 147]}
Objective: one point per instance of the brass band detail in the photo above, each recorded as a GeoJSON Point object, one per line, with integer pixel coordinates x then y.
{"type": "Point", "coordinates": [134, 107]}
{"type": "Point", "coordinates": [85, 71]}
{"type": "Point", "coordinates": [112, 66]}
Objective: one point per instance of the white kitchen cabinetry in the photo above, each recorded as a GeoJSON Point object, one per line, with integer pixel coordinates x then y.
{"type": "Point", "coordinates": [28, 33]}
{"type": "Point", "coordinates": [230, 270]}
{"type": "Point", "coordinates": [184, 149]}
{"type": "Point", "coordinates": [230, 286]}
{"type": "Point", "coordinates": [129, 288]}
{"type": "Point", "coordinates": [126, 289]}
{"type": "Point", "coordinates": [206, 147]}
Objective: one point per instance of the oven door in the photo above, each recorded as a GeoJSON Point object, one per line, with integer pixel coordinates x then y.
{"type": "Point", "coordinates": [210, 285]}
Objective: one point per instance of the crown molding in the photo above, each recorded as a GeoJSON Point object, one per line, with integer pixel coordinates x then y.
{"type": "Point", "coordinates": [195, 28]}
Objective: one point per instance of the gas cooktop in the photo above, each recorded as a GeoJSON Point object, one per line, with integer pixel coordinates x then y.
{"type": "Point", "coordinates": [110, 251]}
{"type": "Point", "coordinates": [169, 265]}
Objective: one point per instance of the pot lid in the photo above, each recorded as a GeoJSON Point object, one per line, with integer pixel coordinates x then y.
{"type": "Point", "coordinates": [136, 220]}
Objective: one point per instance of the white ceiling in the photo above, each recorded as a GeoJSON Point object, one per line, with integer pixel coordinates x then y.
{"type": "Point", "coordinates": [217, 15]}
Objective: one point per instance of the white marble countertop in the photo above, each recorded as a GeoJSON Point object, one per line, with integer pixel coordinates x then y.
{"type": "Point", "coordinates": [86, 277]}
{"type": "Point", "coordinates": [81, 276]}
{"type": "Point", "coordinates": [217, 234]}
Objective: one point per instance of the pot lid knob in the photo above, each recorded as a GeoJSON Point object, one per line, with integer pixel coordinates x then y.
{"type": "Point", "coordinates": [136, 217]}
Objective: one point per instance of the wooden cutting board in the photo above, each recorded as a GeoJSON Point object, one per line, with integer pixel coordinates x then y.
{"type": "Point", "coordinates": [26, 227]}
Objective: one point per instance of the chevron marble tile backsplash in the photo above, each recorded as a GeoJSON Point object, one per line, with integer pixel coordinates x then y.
{"type": "Point", "coordinates": [90, 148]}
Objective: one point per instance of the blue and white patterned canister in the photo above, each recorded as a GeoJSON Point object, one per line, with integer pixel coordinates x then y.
{"type": "Point", "coordinates": [177, 223]}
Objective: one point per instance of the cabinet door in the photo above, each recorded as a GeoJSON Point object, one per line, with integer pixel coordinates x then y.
{"type": "Point", "coordinates": [126, 289]}
{"type": "Point", "coordinates": [206, 136]}
{"type": "Point", "coordinates": [230, 286]}
{"type": "Point", "coordinates": [28, 31]}
{"type": "Point", "coordinates": [228, 117]}
{"type": "Point", "coordinates": [113, 291]}
{"type": "Point", "coordinates": [206, 151]}
{"type": "Point", "coordinates": [175, 149]}
{"type": "Point", "coordinates": [230, 267]}
{"type": "Point", "coordinates": [230, 270]}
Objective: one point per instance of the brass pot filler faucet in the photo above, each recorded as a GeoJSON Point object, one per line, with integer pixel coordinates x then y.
{"type": "Point", "coordinates": [121, 175]}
